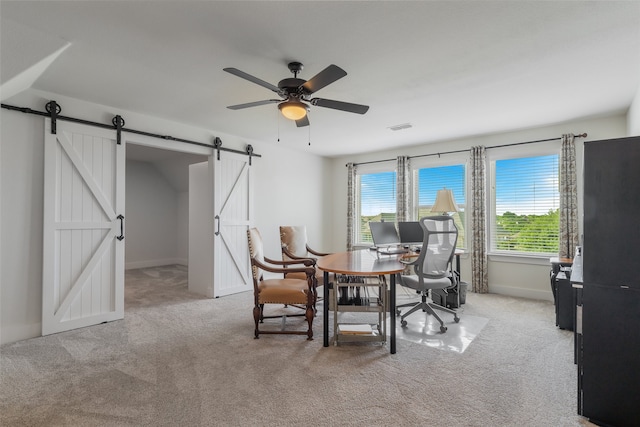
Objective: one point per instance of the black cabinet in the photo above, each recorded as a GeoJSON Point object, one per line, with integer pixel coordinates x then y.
{"type": "Point", "coordinates": [611, 209]}
{"type": "Point", "coordinates": [610, 364]}
{"type": "Point", "coordinates": [608, 349]}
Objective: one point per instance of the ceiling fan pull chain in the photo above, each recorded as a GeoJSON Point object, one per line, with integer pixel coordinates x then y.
{"type": "Point", "coordinates": [309, 134]}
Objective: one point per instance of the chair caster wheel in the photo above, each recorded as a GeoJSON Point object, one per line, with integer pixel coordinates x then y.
{"type": "Point", "coordinates": [443, 329]}
{"type": "Point", "coordinates": [456, 319]}
{"type": "Point", "coordinates": [403, 323]}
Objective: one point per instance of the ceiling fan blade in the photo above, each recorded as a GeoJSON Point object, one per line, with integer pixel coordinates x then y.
{"type": "Point", "coordinates": [253, 104]}
{"type": "Point", "coordinates": [324, 78]}
{"type": "Point", "coordinates": [339, 105]}
{"type": "Point", "coordinates": [251, 78]}
{"type": "Point", "coordinates": [303, 122]}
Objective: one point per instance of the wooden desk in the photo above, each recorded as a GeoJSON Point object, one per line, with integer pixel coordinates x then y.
{"type": "Point", "coordinates": [557, 262]}
{"type": "Point", "coordinates": [361, 263]}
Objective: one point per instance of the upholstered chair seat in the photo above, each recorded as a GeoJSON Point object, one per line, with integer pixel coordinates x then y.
{"type": "Point", "coordinates": [273, 291]}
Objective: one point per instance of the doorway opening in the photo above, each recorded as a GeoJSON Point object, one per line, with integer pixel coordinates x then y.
{"type": "Point", "coordinates": [157, 218]}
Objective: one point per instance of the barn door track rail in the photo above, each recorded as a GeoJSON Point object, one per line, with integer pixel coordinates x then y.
{"type": "Point", "coordinates": [53, 110]}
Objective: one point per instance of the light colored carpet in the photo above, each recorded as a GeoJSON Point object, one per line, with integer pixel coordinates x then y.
{"type": "Point", "coordinates": [182, 360]}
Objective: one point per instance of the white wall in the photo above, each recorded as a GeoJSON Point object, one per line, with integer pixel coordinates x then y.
{"type": "Point", "coordinates": [151, 216]}
{"type": "Point", "coordinates": [292, 187]}
{"type": "Point", "coordinates": [633, 116]}
{"type": "Point", "coordinates": [182, 250]}
{"type": "Point", "coordinates": [515, 277]}
{"type": "Point", "coordinates": [201, 247]}
{"type": "Point", "coordinates": [21, 225]}
{"type": "Point", "coordinates": [175, 174]}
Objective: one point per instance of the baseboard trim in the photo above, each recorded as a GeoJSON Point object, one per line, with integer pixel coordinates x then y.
{"type": "Point", "coordinates": [521, 292]}
{"type": "Point", "coordinates": [155, 263]}
{"type": "Point", "coordinates": [11, 334]}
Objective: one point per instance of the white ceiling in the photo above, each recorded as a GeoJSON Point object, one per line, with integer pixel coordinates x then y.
{"type": "Point", "coordinates": [450, 68]}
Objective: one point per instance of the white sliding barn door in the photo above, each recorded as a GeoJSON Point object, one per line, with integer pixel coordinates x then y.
{"type": "Point", "coordinates": [83, 258]}
{"type": "Point", "coordinates": [232, 204]}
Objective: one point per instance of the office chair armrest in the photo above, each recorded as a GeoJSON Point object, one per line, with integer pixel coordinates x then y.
{"type": "Point", "coordinates": [316, 253]}
{"type": "Point", "coordinates": [296, 258]}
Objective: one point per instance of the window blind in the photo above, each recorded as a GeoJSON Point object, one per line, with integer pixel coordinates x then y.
{"type": "Point", "coordinates": [431, 179]}
{"type": "Point", "coordinates": [377, 201]}
{"type": "Point", "coordinates": [526, 205]}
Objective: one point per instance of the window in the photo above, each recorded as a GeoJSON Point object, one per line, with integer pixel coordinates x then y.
{"type": "Point", "coordinates": [428, 180]}
{"type": "Point", "coordinates": [377, 201]}
{"type": "Point", "coordinates": [525, 205]}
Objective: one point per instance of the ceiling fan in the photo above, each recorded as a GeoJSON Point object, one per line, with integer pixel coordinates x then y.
{"type": "Point", "coordinates": [296, 93]}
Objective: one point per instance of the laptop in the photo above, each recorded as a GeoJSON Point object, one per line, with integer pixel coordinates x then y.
{"type": "Point", "coordinates": [385, 238]}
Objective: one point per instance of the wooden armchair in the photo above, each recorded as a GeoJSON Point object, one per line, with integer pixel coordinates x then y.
{"type": "Point", "coordinates": [293, 240]}
{"type": "Point", "coordinates": [287, 291]}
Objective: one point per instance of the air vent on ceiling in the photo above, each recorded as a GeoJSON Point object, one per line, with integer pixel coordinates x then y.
{"type": "Point", "coordinates": [401, 127]}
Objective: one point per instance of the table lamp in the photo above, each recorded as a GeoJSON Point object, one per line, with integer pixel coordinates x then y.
{"type": "Point", "coordinates": [445, 202]}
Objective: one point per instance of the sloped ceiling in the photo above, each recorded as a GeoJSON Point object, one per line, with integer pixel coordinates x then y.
{"type": "Point", "coordinates": [174, 166]}
{"type": "Point", "coordinates": [33, 52]}
{"type": "Point", "coordinates": [449, 68]}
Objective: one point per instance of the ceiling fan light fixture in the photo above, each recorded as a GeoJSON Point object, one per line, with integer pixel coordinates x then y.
{"type": "Point", "coordinates": [293, 110]}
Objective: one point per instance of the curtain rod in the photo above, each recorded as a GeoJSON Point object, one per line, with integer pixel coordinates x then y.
{"type": "Point", "coordinates": [118, 125]}
{"type": "Point", "coordinates": [582, 135]}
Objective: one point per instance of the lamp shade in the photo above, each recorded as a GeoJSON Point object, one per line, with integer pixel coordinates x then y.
{"type": "Point", "coordinates": [444, 202]}
{"type": "Point", "coordinates": [293, 110]}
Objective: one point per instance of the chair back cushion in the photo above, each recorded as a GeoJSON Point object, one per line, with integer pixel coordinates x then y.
{"type": "Point", "coordinates": [256, 251]}
{"type": "Point", "coordinates": [438, 246]}
{"type": "Point", "coordinates": [295, 239]}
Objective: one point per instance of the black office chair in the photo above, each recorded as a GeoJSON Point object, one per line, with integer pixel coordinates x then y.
{"type": "Point", "coordinates": [433, 267]}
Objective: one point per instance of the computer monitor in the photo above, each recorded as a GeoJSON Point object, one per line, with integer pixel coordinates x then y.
{"type": "Point", "coordinates": [384, 233]}
{"type": "Point", "coordinates": [410, 232]}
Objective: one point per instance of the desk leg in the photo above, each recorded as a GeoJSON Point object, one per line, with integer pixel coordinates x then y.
{"type": "Point", "coordinates": [392, 312]}
{"type": "Point", "coordinates": [325, 309]}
